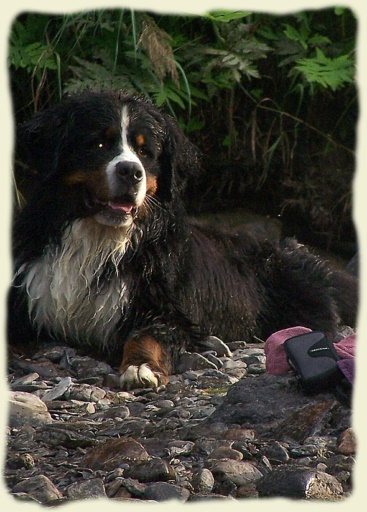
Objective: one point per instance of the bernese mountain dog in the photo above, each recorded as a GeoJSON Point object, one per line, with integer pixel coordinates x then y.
{"type": "Point", "coordinates": [106, 258]}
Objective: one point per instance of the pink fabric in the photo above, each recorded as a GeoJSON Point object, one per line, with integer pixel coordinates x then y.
{"type": "Point", "coordinates": [276, 359]}
{"type": "Point", "coordinates": [346, 347]}
{"type": "Point", "coordinates": [347, 367]}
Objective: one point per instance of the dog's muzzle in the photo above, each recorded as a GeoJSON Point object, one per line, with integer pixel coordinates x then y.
{"type": "Point", "coordinates": [127, 188]}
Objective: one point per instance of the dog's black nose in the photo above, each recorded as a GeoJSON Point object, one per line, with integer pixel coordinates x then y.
{"type": "Point", "coordinates": [129, 171]}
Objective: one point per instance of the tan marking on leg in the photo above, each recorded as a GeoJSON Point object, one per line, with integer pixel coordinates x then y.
{"type": "Point", "coordinates": [144, 364]}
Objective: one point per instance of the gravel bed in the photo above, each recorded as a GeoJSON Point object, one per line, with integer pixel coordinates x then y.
{"type": "Point", "coordinates": [221, 429]}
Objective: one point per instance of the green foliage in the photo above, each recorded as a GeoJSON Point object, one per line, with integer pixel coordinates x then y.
{"type": "Point", "coordinates": [327, 72]}
{"type": "Point", "coordinates": [190, 63]}
{"type": "Point", "coordinates": [231, 60]}
{"type": "Point", "coordinates": [99, 75]}
{"type": "Point", "coordinates": [224, 16]}
{"type": "Point", "coordinates": [271, 94]}
{"type": "Point", "coordinates": [31, 56]}
{"type": "Point", "coordinates": [308, 52]}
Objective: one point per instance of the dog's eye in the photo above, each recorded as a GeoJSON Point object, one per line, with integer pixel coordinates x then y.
{"type": "Point", "coordinates": [106, 140]}
{"type": "Point", "coordinates": [100, 144]}
{"type": "Point", "coordinates": [143, 151]}
{"type": "Point", "coordinates": [105, 145]}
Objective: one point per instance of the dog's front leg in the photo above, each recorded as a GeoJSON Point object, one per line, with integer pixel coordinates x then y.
{"type": "Point", "coordinates": [145, 364]}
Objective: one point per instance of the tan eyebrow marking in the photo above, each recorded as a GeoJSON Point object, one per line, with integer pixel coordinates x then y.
{"type": "Point", "coordinates": [140, 140]}
{"type": "Point", "coordinates": [110, 132]}
{"type": "Point", "coordinates": [75, 177]}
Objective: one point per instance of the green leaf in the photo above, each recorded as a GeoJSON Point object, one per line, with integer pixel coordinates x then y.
{"type": "Point", "coordinates": [319, 39]}
{"type": "Point", "coordinates": [224, 16]}
{"type": "Point", "coordinates": [268, 33]}
{"type": "Point", "coordinates": [291, 32]}
{"type": "Point", "coordinates": [193, 125]}
{"type": "Point", "coordinates": [339, 10]}
{"type": "Point", "coordinates": [31, 56]}
{"type": "Point", "coordinates": [297, 35]}
{"type": "Point", "coordinates": [326, 71]}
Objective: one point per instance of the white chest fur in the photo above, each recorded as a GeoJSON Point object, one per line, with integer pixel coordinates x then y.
{"type": "Point", "coordinates": [68, 292]}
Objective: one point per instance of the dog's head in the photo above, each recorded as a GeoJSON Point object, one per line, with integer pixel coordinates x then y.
{"type": "Point", "coordinates": [112, 154]}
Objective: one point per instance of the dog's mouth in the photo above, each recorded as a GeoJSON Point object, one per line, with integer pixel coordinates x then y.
{"type": "Point", "coordinates": [123, 207]}
{"type": "Point", "coordinates": [119, 211]}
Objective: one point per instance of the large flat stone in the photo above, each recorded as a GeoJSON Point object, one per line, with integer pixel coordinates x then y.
{"type": "Point", "coordinates": [27, 409]}
{"type": "Point", "coordinates": [273, 405]}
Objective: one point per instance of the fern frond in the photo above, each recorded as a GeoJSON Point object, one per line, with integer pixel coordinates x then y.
{"type": "Point", "coordinates": [327, 72]}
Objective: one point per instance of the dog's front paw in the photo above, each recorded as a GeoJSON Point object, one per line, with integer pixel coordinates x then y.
{"type": "Point", "coordinates": [145, 364]}
{"type": "Point", "coordinates": [141, 377]}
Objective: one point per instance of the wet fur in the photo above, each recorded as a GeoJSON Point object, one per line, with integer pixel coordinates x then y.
{"type": "Point", "coordinates": [162, 278]}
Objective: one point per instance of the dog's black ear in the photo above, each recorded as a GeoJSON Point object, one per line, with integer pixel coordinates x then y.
{"type": "Point", "coordinates": [185, 156]}
{"type": "Point", "coordinates": [180, 158]}
{"type": "Point", "coordinates": [40, 139]}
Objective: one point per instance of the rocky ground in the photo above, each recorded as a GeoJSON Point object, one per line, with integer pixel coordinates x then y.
{"type": "Point", "coordinates": [221, 429]}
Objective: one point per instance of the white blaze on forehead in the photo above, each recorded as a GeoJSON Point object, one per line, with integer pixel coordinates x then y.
{"type": "Point", "coordinates": [127, 155]}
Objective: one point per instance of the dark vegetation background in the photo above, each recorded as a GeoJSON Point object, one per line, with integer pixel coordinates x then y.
{"type": "Point", "coordinates": [270, 100]}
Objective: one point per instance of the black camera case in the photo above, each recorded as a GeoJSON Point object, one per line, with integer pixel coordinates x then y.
{"type": "Point", "coordinates": [313, 358]}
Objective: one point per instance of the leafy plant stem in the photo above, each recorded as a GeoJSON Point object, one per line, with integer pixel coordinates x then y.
{"type": "Point", "coordinates": [187, 86]}
{"type": "Point", "coordinates": [117, 46]}
{"type": "Point", "coordinates": [134, 31]}
{"type": "Point", "coordinates": [327, 137]}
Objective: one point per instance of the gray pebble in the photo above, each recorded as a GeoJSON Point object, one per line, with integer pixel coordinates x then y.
{"type": "Point", "coordinates": [207, 446]}
{"type": "Point", "coordinates": [92, 488]}
{"type": "Point", "coordinates": [210, 497]}
{"type": "Point", "coordinates": [256, 369]}
{"type": "Point", "coordinates": [38, 487]}
{"type": "Point", "coordinates": [164, 403]}
{"type": "Point", "coordinates": [163, 491]}
{"type": "Point", "coordinates": [300, 483]}
{"type": "Point", "coordinates": [235, 345]}
{"type": "Point", "coordinates": [58, 390]}
{"type": "Point", "coordinates": [251, 351]}
{"type": "Point", "coordinates": [85, 393]}
{"type": "Point", "coordinates": [55, 354]}
{"type": "Point", "coordinates": [27, 409]}
{"type": "Point", "coordinates": [225, 452]}
{"type": "Point", "coordinates": [115, 411]}
{"type": "Point", "coordinates": [216, 344]}
{"type": "Point", "coordinates": [276, 453]}
{"type": "Point", "coordinates": [21, 460]}
{"type": "Point", "coordinates": [45, 369]}
{"type": "Point", "coordinates": [236, 472]}
{"type": "Point", "coordinates": [203, 481]}
{"type": "Point", "coordinates": [152, 470]}
{"type": "Point", "coordinates": [193, 361]}
{"type": "Point", "coordinates": [221, 376]}
{"type": "Point", "coordinates": [113, 487]}
{"type": "Point", "coordinates": [25, 379]}
{"type": "Point", "coordinates": [113, 453]}
{"type": "Point", "coordinates": [255, 359]}
{"type": "Point", "coordinates": [178, 447]}
{"type": "Point", "coordinates": [135, 487]}
{"type": "Point", "coordinates": [215, 360]}
{"type": "Point", "coordinates": [231, 364]}
{"type": "Point", "coordinates": [192, 375]}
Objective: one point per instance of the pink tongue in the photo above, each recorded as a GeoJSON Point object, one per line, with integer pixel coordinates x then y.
{"type": "Point", "coordinates": [121, 207]}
